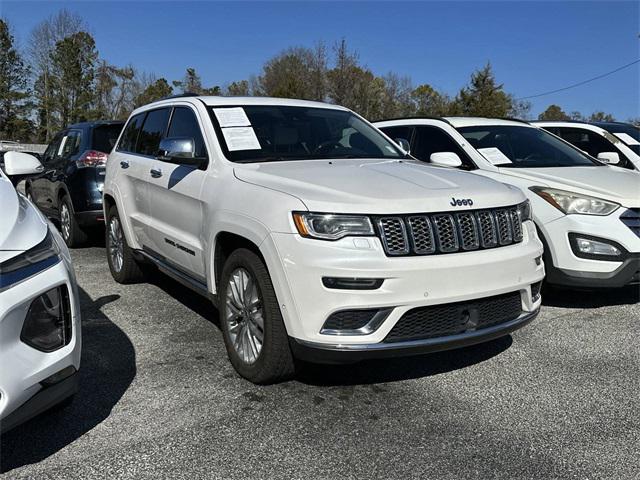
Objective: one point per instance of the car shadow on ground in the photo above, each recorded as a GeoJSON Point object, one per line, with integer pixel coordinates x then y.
{"type": "Point", "coordinates": [107, 368]}
{"type": "Point", "coordinates": [402, 368]}
{"type": "Point", "coordinates": [567, 298]}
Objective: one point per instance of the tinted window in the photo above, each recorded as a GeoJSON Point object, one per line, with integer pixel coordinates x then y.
{"type": "Point", "coordinates": [70, 144]}
{"type": "Point", "coordinates": [104, 137]}
{"type": "Point", "coordinates": [586, 140]}
{"type": "Point", "coordinates": [302, 133]}
{"type": "Point", "coordinates": [430, 140]}
{"type": "Point", "coordinates": [184, 124]}
{"type": "Point", "coordinates": [130, 135]}
{"type": "Point", "coordinates": [51, 151]}
{"type": "Point", "coordinates": [526, 147]}
{"type": "Point", "coordinates": [153, 130]}
{"type": "Point", "coordinates": [398, 132]}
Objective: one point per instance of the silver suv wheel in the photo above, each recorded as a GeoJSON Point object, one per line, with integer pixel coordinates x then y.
{"type": "Point", "coordinates": [244, 315]}
{"type": "Point", "coordinates": [115, 244]}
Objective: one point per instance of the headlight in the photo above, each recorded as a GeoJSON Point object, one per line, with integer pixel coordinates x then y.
{"type": "Point", "coordinates": [524, 211]}
{"type": "Point", "coordinates": [327, 226]}
{"type": "Point", "coordinates": [29, 263]}
{"type": "Point", "coordinates": [570, 202]}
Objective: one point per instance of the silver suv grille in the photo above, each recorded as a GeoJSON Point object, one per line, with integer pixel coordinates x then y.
{"type": "Point", "coordinates": [426, 234]}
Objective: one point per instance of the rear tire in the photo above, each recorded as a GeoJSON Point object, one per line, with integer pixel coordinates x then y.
{"type": "Point", "coordinates": [122, 263]}
{"type": "Point", "coordinates": [71, 232]}
{"type": "Point", "coordinates": [252, 326]}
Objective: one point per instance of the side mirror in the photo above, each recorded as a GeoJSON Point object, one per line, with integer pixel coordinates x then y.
{"type": "Point", "coordinates": [404, 144]}
{"type": "Point", "coordinates": [445, 159]}
{"type": "Point", "coordinates": [19, 165]}
{"type": "Point", "coordinates": [179, 150]}
{"type": "Point", "coordinates": [612, 158]}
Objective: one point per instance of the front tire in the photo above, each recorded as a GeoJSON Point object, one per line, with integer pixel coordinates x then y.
{"type": "Point", "coordinates": [71, 232]}
{"type": "Point", "coordinates": [252, 326]}
{"type": "Point", "coordinates": [122, 264]}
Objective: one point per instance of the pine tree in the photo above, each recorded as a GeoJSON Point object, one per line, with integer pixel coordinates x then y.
{"type": "Point", "coordinates": [14, 91]}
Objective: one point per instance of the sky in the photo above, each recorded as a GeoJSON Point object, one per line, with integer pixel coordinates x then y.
{"type": "Point", "coordinates": [534, 47]}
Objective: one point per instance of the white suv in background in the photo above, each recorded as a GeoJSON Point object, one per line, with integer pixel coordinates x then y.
{"type": "Point", "coordinates": [39, 307]}
{"type": "Point", "coordinates": [315, 234]}
{"type": "Point", "coordinates": [612, 148]}
{"type": "Point", "coordinates": [588, 213]}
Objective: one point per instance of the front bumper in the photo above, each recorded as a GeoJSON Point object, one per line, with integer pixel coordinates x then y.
{"type": "Point", "coordinates": [23, 368]}
{"type": "Point", "coordinates": [409, 282]}
{"type": "Point", "coordinates": [341, 353]}
{"type": "Point", "coordinates": [564, 268]}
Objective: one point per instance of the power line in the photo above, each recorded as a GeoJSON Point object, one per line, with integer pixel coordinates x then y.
{"type": "Point", "coordinates": [583, 82]}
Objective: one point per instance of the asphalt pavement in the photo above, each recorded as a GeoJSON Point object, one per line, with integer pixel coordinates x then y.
{"type": "Point", "coordinates": [159, 399]}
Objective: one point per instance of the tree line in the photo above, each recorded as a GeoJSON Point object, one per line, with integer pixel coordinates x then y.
{"type": "Point", "coordinates": [60, 78]}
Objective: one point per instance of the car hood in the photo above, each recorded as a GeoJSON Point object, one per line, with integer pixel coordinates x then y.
{"type": "Point", "coordinates": [21, 225]}
{"type": "Point", "coordinates": [377, 187]}
{"type": "Point", "coordinates": [609, 183]}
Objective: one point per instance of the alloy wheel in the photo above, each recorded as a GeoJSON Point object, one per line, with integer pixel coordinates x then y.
{"type": "Point", "coordinates": [116, 244]}
{"type": "Point", "coordinates": [244, 315]}
{"type": "Point", "coordinates": [65, 221]}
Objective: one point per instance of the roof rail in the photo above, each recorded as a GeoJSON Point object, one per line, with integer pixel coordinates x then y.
{"type": "Point", "coordinates": [413, 117]}
{"type": "Point", "coordinates": [181, 95]}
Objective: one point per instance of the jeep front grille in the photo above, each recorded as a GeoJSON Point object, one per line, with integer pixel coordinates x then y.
{"type": "Point", "coordinates": [426, 234]}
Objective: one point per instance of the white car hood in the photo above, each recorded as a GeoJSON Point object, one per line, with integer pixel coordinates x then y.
{"type": "Point", "coordinates": [21, 225]}
{"type": "Point", "coordinates": [377, 186]}
{"type": "Point", "coordinates": [610, 183]}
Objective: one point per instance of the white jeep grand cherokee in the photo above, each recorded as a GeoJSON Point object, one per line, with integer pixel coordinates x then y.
{"type": "Point", "coordinates": [314, 234]}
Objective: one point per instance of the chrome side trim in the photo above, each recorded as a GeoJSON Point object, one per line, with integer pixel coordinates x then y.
{"type": "Point", "coordinates": [370, 327]}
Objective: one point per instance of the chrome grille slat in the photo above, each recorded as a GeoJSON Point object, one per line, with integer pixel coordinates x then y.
{"type": "Point", "coordinates": [468, 231]}
{"type": "Point", "coordinates": [445, 233]}
{"type": "Point", "coordinates": [421, 234]}
{"type": "Point", "coordinates": [437, 233]}
{"type": "Point", "coordinates": [487, 225]}
{"type": "Point", "coordinates": [394, 235]}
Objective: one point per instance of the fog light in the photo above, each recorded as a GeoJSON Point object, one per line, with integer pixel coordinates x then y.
{"type": "Point", "coordinates": [47, 326]}
{"type": "Point", "coordinates": [594, 247]}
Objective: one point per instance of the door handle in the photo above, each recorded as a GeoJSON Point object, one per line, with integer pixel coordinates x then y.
{"type": "Point", "coordinates": [155, 172]}
{"type": "Point", "coordinates": [124, 164]}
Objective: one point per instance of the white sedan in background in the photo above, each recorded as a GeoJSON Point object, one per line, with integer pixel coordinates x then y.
{"type": "Point", "coordinates": [40, 336]}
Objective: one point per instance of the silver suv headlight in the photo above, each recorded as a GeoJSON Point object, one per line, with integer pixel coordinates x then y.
{"type": "Point", "coordinates": [29, 263]}
{"type": "Point", "coordinates": [329, 226]}
{"type": "Point", "coordinates": [570, 202]}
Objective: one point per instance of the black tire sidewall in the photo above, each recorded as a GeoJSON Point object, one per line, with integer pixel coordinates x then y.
{"type": "Point", "coordinates": [243, 258]}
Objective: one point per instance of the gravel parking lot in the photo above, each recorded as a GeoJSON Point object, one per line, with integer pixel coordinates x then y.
{"type": "Point", "coordinates": [559, 399]}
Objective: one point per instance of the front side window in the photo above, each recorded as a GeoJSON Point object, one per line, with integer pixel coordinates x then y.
{"type": "Point", "coordinates": [130, 134]}
{"type": "Point", "coordinates": [185, 125]}
{"type": "Point", "coordinates": [593, 143]}
{"type": "Point", "coordinates": [153, 130]}
{"type": "Point", "coordinates": [512, 146]}
{"type": "Point", "coordinates": [429, 140]}
{"type": "Point", "coordinates": [276, 133]}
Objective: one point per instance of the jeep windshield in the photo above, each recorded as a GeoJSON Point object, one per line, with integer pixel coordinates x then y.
{"type": "Point", "coordinates": [512, 146]}
{"type": "Point", "coordinates": [263, 133]}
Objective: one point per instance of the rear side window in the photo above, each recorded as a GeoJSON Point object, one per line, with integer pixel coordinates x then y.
{"type": "Point", "coordinates": [104, 137]}
{"type": "Point", "coordinates": [71, 144]}
{"type": "Point", "coordinates": [153, 130]}
{"type": "Point", "coordinates": [130, 135]}
{"type": "Point", "coordinates": [184, 124]}
{"type": "Point", "coordinates": [430, 140]}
